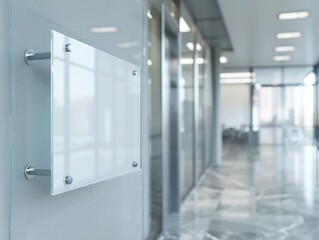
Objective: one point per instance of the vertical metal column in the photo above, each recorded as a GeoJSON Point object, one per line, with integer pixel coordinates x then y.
{"type": "Point", "coordinates": [282, 127]}
{"type": "Point", "coordinates": [216, 123]}
{"type": "Point", "coordinates": [196, 106]}
{"type": "Point", "coordinates": [169, 56]}
{"type": "Point", "coordinates": [253, 122]}
{"type": "Point", "coordinates": [316, 105]}
{"type": "Point", "coordinates": [165, 120]}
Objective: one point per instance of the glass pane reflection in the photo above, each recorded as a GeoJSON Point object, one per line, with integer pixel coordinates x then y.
{"type": "Point", "coordinates": [96, 115]}
{"type": "Point", "coordinates": [186, 98]}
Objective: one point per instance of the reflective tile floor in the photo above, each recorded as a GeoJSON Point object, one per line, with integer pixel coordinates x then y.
{"type": "Point", "coordinates": [270, 192]}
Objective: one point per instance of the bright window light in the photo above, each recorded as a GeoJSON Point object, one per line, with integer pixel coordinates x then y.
{"type": "Point", "coordinates": [257, 86]}
{"type": "Point", "coordinates": [310, 79]}
{"type": "Point", "coordinates": [286, 35]}
{"type": "Point", "coordinates": [293, 15]}
{"type": "Point", "coordinates": [237, 75]}
{"type": "Point", "coordinates": [149, 15]}
{"type": "Point", "coordinates": [189, 61]}
{"type": "Point", "coordinates": [190, 46]}
{"type": "Point", "coordinates": [149, 62]}
{"type": "Point", "coordinates": [183, 26]}
{"type": "Point", "coordinates": [282, 58]}
{"type": "Point", "coordinates": [223, 60]}
{"type": "Point", "coordinates": [285, 49]}
{"type": "Point", "coordinates": [200, 60]}
{"type": "Point", "coordinates": [103, 29]}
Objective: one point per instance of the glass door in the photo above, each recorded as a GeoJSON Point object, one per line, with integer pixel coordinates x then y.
{"type": "Point", "coordinates": [286, 114]}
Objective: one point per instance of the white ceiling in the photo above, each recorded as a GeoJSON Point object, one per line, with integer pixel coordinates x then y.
{"type": "Point", "coordinates": [252, 26]}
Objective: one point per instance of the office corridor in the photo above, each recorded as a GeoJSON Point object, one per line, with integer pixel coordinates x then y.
{"type": "Point", "coordinates": [269, 192]}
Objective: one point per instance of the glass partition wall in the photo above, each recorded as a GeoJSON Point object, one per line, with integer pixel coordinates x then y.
{"type": "Point", "coordinates": [180, 96]}
{"type": "Point", "coordinates": [186, 99]}
{"type": "Point", "coordinates": [286, 105]}
{"type": "Point", "coordinates": [199, 101]}
{"type": "Point", "coordinates": [156, 136]}
{"type": "Point", "coordinates": [316, 124]}
{"type": "Point", "coordinates": [207, 105]}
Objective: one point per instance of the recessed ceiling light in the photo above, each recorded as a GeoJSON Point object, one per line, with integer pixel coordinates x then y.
{"type": "Point", "coordinates": [293, 15]}
{"type": "Point", "coordinates": [190, 46]}
{"type": "Point", "coordinates": [103, 29]}
{"type": "Point", "coordinates": [286, 35]}
{"type": "Point", "coordinates": [223, 60]}
{"type": "Point", "coordinates": [183, 26]}
{"type": "Point", "coordinates": [285, 49]}
{"type": "Point", "coordinates": [282, 58]}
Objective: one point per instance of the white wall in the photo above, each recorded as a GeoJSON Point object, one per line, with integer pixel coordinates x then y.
{"type": "Point", "coordinates": [111, 209]}
{"type": "Point", "coordinates": [235, 105]}
{"type": "Point", "coordinates": [5, 119]}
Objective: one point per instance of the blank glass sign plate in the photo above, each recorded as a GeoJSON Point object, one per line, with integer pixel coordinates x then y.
{"type": "Point", "coordinates": [95, 115]}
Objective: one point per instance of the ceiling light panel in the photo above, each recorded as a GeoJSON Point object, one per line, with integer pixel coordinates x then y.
{"type": "Point", "coordinates": [127, 44]}
{"type": "Point", "coordinates": [287, 35]}
{"type": "Point", "coordinates": [285, 48]}
{"type": "Point", "coordinates": [223, 60]}
{"type": "Point", "coordinates": [183, 26]}
{"type": "Point", "coordinates": [103, 29]}
{"type": "Point", "coordinates": [282, 58]}
{"type": "Point", "coordinates": [293, 15]}
{"type": "Point", "coordinates": [190, 46]}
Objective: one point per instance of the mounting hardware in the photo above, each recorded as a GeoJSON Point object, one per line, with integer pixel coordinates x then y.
{"type": "Point", "coordinates": [30, 55]}
{"type": "Point", "coordinates": [68, 47]}
{"type": "Point", "coordinates": [135, 164]}
{"type": "Point", "coordinates": [30, 172]}
{"type": "Point", "coordinates": [68, 180]}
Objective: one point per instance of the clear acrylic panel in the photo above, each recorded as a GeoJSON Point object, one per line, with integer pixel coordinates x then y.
{"type": "Point", "coordinates": [95, 115]}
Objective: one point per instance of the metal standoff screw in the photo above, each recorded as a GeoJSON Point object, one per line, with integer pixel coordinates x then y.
{"type": "Point", "coordinates": [68, 180]}
{"type": "Point", "coordinates": [30, 171]}
{"type": "Point", "coordinates": [135, 164]}
{"type": "Point", "coordinates": [135, 73]}
{"type": "Point", "coordinates": [30, 55]}
{"type": "Point", "coordinates": [68, 47]}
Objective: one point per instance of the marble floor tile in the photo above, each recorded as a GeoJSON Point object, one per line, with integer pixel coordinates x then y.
{"type": "Point", "coordinates": [261, 193]}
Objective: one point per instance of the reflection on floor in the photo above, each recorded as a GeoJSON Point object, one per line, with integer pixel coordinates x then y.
{"type": "Point", "coordinates": [265, 193]}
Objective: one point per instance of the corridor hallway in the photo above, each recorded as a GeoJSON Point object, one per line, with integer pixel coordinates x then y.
{"type": "Point", "coordinates": [262, 193]}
